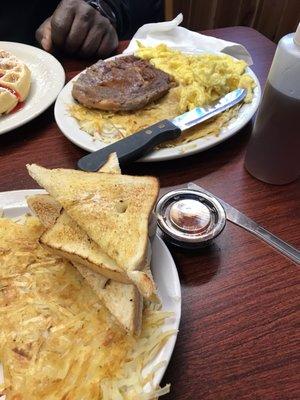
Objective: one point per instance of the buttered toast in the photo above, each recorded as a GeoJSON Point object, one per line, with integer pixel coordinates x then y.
{"type": "Point", "coordinates": [65, 238]}
{"type": "Point", "coordinates": [123, 301]}
{"type": "Point", "coordinates": [48, 210]}
{"type": "Point", "coordinates": [96, 202]}
{"type": "Point", "coordinates": [68, 240]}
{"type": "Point", "coordinates": [45, 208]}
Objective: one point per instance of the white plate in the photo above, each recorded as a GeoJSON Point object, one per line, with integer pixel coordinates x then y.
{"type": "Point", "coordinates": [47, 80]}
{"type": "Point", "coordinates": [163, 267]}
{"type": "Point", "coordinates": [70, 128]}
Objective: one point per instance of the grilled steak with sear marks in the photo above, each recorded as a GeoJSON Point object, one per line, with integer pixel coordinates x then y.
{"type": "Point", "coordinates": [124, 84]}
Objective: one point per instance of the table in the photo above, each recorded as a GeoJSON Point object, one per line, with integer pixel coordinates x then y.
{"type": "Point", "coordinates": [237, 336]}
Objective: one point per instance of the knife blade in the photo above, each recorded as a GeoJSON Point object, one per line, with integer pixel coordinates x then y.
{"type": "Point", "coordinates": [240, 219]}
{"type": "Point", "coordinates": [142, 142]}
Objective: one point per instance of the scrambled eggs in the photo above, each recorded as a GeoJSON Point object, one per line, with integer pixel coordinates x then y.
{"type": "Point", "coordinates": [201, 80]}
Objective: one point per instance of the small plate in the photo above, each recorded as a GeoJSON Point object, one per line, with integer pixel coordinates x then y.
{"type": "Point", "coordinates": [47, 80]}
{"type": "Point", "coordinates": [70, 128]}
{"type": "Point", "coordinates": [164, 270]}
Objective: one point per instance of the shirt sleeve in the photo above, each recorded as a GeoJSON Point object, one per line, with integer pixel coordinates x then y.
{"type": "Point", "coordinates": [132, 14]}
{"type": "Point", "coordinates": [121, 9]}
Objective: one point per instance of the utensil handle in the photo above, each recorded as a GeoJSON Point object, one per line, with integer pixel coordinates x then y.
{"type": "Point", "coordinates": [278, 244]}
{"type": "Point", "coordinates": [131, 147]}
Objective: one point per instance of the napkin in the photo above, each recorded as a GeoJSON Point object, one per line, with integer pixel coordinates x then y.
{"type": "Point", "coordinates": [182, 39]}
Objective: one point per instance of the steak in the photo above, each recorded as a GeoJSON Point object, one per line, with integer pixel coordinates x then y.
{"type": "Point", "coordinates": [123, 84]}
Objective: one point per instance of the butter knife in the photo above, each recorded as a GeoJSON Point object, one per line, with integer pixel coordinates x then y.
{"type": "Point", "coordinates": [135, 146]}
{"type": "Point", "coordinates": [240, 219]}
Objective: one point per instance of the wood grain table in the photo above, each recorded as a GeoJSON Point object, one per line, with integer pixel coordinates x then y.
{"type": "Point", "coordinates": [238, 334]}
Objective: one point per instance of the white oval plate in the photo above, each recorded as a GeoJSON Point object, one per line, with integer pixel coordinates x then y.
{"type": "Point", "coordinates": [164, 270]}
{"type": "Point", "coordinates": [70, 128]}
{"type": "Point", "coordinates": [47, 80]}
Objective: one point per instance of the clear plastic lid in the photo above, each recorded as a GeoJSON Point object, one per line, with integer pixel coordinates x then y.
{"type": "Point", "coordinates": [190, 217]}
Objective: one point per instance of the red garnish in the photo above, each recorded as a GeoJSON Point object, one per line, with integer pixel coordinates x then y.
{"type": "Point", "coordinates": [18, 107]}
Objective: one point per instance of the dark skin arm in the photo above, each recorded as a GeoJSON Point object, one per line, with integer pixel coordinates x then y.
{"type": "Point", "coordinates": [76, 28]}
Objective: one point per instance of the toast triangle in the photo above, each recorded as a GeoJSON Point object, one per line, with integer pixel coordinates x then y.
{"type": "Point", "coordinates": [123, 301]}
{"type": "Point", "coordinates": [113, 210]}
{"type": "Point", "coordinates": [66, 239]}
{"type": "Point", "coordinates": [47, 209]}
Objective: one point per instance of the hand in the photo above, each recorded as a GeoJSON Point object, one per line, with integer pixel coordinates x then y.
{"type": "Point", "coordinates": [77, 28]}
{"type": "Point", "coordinates": [43, 35]}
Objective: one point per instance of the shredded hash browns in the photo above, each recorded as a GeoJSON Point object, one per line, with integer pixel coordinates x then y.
{"type": "Point", "coordinates": [56, 340]}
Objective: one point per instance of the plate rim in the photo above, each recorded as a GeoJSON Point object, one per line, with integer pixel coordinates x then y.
{"type": "Point", "coordinates": [16, 199]}
{"type": "Point", "coordinates": [59, 83]}
{"type": "Point", "coordinates": [85, 141]}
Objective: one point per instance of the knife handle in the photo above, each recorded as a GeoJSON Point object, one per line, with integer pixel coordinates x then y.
{"type": "Point", "coordinates": [278, 244]}
{"type": "Point", "coordinates": [131, 147]}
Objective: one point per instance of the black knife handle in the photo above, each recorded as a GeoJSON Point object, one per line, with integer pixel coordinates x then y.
{"type": "Point", "coordinates": [132, 147]}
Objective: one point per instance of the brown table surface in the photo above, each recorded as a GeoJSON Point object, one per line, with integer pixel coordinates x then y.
{"type": "Point", "coordinates": [237, 337]}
